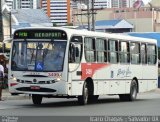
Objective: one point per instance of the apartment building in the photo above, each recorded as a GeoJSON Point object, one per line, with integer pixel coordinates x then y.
{"type": "Point", "coordinates": [59, 11]}
{"type": "Point", "coordinates": [97, 3]}
{"type": "Point", "coordinates": [23, 4]}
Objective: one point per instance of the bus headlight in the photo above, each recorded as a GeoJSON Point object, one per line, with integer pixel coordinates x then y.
{"type": "Point", "coordinates": [14, 78]}
{"type": "Point", "coordinates": [58, 79]}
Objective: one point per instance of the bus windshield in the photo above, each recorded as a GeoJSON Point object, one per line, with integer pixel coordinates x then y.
{"type": "Point", "coordinates": [38, 56]}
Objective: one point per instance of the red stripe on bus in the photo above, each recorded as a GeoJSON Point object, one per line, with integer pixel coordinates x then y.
{"type": "Point", "coordinates": [89, 69]}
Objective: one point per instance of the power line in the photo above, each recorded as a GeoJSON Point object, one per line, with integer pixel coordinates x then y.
{"type": "Point", "coordinates": [90, 12]}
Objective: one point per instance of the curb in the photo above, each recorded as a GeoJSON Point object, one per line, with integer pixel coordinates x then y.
{"type": "Point", "coordinates": [17, 97]}
{"type": "Point", "coordinates": [7, 96]}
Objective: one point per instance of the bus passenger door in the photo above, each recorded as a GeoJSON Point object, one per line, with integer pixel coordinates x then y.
{"type": "Point", "coordinates": [74, 59]}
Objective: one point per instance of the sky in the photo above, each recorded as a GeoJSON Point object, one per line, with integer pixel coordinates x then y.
{"type": "Point", "coordinates": [146, 1]}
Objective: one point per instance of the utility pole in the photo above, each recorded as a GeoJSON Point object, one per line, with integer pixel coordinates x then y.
{"type": "Point", "coordinates": [93, 18]}
{"type": "Point", "coordinates": [90, 13]}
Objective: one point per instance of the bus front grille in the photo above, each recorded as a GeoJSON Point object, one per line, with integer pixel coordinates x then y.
{"type": "Point", "coordinates": [36, 90]}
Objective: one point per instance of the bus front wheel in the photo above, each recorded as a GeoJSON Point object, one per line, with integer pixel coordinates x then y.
{"type": "Point", "coordinates": [133, 92]}
{"type": "Point", "coordinates": [83, 99]}
{"type": "Point", "coordinates": [37, 99]}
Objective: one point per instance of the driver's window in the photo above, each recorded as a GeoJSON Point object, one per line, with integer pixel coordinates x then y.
{"type": "Point", "coordinates": [75, 51]}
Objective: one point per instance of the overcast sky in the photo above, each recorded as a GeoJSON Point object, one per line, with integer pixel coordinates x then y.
{"type": "Point", "coordinates": [146, 1]}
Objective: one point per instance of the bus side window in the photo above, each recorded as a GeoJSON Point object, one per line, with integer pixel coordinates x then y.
{"type": "Point", "coordinates": [151, 54]}
{"type": "Point", "coordinates": [75, 49]}
{"type": "Point", "coordinates": [143, 54]}
{"type": "Point", "coordinates": [135, 53]}
{"type": "Point", "coordinates": [124, 52]}
{"type": "Point", "coordinates": [101, 50]}
{"type": "Point", "coordinates": [90, 54]}
{"type": "Point", "coordinates": [113, 51]}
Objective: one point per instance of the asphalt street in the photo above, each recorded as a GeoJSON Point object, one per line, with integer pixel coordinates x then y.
{"type": "Point", "coordinates": [146, 104]}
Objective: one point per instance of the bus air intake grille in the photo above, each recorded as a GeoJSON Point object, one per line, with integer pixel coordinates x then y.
{"type": "Point", "coordinates": [36, 90]}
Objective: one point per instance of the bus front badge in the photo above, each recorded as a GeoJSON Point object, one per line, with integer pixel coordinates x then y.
{"type": "Point", "coordinates": [34, 81]}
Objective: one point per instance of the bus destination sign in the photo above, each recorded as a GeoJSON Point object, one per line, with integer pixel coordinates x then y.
{"type": "Point", "coordinates": [40, 34]}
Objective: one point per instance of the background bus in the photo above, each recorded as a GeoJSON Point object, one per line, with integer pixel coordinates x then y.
{"type": "Point", "coordinates": [67, 63]}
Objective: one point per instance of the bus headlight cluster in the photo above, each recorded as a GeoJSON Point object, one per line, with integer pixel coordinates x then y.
{"type": "Point", "coordinates": [14, 78]}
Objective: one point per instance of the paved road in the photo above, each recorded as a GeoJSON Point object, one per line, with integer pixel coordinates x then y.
{"type": "Point", "coordinates": [146, 104]}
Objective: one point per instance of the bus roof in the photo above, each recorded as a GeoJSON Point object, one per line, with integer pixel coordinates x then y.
{"type": "Point", "coordinates": [118, 36]}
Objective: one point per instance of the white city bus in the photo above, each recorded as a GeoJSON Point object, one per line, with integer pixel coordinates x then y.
{"type": "Point", "coordinates": [68, 63]}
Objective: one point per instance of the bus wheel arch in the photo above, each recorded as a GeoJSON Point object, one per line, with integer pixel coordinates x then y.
{"type": "Point", "coordinates": [90, 85]}
{"type": "Point", "coordinates": [87, 92]}
{"type": "Point", "coordinates": [136, 80]}
{"type": "Point", "coordinates": [133, 91]}
{"type": "Point", "coordinates": [92, 98]}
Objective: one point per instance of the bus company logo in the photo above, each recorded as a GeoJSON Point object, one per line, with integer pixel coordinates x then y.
{"type": "Point", "coordinates": [89, 69]}
{"type": "Point", "coordinates": [34, 80]}
{"type": "Point", "coordinates": [124, 73]}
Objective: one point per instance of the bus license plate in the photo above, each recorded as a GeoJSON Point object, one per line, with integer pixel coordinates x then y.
{"type": "Point", "coordinates": [35, 87]}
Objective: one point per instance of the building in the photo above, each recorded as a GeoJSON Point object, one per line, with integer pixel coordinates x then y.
{"type": "Point", "coordinates": [21, 18]}
{"type": "Point", "coordinates": [9, 3]}
{"type": "Point", "coordinates": [97, 3]}
{"type": "Point", "coordinates": [123, 3]}
{"type": "Point", "coordinates": [23, 4]}
{"type": "Point", "coordinates": [32, 18]}
{"type": "Point", "coordinates": [113, 26]}
{"type": "Point", "coordinates": [59, 11]}
{"type": "Point", "coordinates": [144, 16]}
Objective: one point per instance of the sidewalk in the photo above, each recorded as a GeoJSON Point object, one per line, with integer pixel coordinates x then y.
{"type": "Point", "coordinates": [7, 96]}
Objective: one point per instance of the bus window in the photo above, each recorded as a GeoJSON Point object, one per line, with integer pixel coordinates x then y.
{"type": "Point", "coordinates": [124, 52]}
{"type": "Point", "coordinates": [143, 54]}
{"type": "Point", "coordinates": [75, 49]}
{"type": "Point", "coordinates": [75, 52]}
{"type": "Point", "coordinates": [38, 55]}
{"type": "Point", "coordinates": [135, 53]}
{"type": "Point", "coordinates": [101, 50]}
{"type": "Point", "coordinates": [90, 49]}
{"type": "Point", "coordinates": [151, 54]}
{"type": "Point", "coordinates": [113, 51]}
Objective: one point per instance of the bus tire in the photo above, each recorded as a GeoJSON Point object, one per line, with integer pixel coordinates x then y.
{"type": "Point", "coordinates": [93, 98]}
{"type": "Point", "coordinates": [83, 99]}
{"type": "Point", "coordinates": [37, 99]}
{"type": "Point", "coordinates": [133, 92]}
